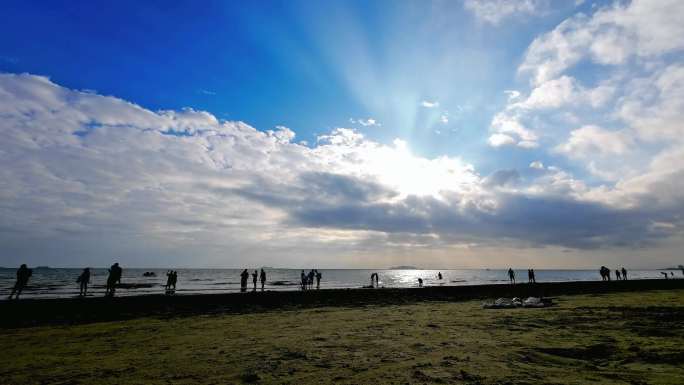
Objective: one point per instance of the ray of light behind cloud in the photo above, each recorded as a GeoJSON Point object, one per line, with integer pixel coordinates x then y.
{"type": "Point", "coordinates": [476, 138]}
{"type": "Point", "coordinates": [98, 177]}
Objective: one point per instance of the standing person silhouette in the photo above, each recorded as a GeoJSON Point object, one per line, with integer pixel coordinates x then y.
{"type": "Point", "coordinates": [83, 281]}
{"type": "Point", "coordinates": [318, 279]}
{"type": "Point", "coordinates": [304, 279]}
{"type": "Point", "coordinates": [375, 280]}
{"type": "Point", "coordinates": [244, 276]}
{"type": "Point", "coordinates": [23, 275]}
{"type": "Point", "coordinates": [439, 276]}
{"type": "Point", "coordinates": [511, 275]}
{"type": "Point", "coordinates": [262, 278]}
{"type": "Point", "coordinates": [310, 279]}
{"type": "Point", "coordinates": [624, 274]}
{"type": "Point", "coordinates": [115, 273]}
{"type": "Point", "coordinates": [169, 279]}
{"type": "Point", "coordinates": [254, 278]}
{"type": "Point", "coordinates": [617, 274]}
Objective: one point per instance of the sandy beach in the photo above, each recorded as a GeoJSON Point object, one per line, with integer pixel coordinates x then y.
{"type": "Point", "coordinates": [617, 332]}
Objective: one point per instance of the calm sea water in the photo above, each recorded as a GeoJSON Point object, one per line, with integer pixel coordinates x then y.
{"type": "Point", "coordinates": [54, 283]}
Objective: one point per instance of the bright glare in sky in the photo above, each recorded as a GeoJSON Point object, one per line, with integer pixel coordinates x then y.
{"type": "Point", "coordinates": [469, 133]}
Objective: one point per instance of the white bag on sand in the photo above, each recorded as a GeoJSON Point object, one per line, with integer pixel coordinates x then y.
{"type": "Point", "coordinates": [533, 302]}
{"type": "Point", "coordinates": [501, 303]}
{"type": "Point", "coordinates": [508, 303]}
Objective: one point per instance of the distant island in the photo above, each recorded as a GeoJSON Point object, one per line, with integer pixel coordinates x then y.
{"type": "Point", "coordinates": [680, 267]}
{"type": "Point", "coordinates": [404, 268]}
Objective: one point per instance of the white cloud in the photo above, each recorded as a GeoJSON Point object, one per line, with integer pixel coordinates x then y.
{"type": "Point", "coordinates": [429, 104]}
{"type": "Point", "coordinates": [444, 118]}
{"type": "Point", "coordinates": [513, 95]}
{"type": "Point", "coordinates": [87, 176]}
{"type": "Point", "coordinates": [591, 141]}
{"type": "Point", "coordinates": [365, 122]}
{"type": "Point", "coordinates": [509, 131]}
{"type": "Point", "coordinates": [654, 105]}
{"type": "Point", "coordinates": [565, 91]}
{"type": "Point", "coordinates": [639, 28]}
{"type": "Point", "coordinates": [498, 140]}
{"type": "Point", "coordinates": [494, 11]}
{"type": "Point", "coordinates": [553, 94]}
{"type": "Point", "coordinates": [537, 165]}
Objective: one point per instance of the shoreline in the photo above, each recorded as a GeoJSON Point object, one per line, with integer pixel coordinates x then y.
{"type": "Point", "coordinates": [37, 312]}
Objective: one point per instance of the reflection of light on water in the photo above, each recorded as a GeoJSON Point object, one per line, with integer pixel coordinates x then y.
{"type": "Point", "coordinates": [410, 277]}
{"type": "Point", "coordinates": [50, 283]}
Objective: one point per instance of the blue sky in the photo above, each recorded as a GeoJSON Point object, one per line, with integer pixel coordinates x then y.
{"type": "Point", "coordinates": [443, 133]}
{"type": "Point", "coordinates": [306, 65]}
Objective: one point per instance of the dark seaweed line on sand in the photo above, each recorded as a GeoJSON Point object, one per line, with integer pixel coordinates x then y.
{"type": "Point", "coordinates": [34, 312]}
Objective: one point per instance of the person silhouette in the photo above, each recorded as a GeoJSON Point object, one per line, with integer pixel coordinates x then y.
{"type": "Point", "coordinates": [310, 279]}
{"type": "Point", "coordinates": [318, 279]}
{"type": "Point", "coordinates": [254, 278]}
{"type": "Point", "coordinates": [244, 276]}
{"type": "Point", "coordinates": [83, 281]}
{"type": "Point", "coordinates": [23, 275]}
{"type": "Point", "coordinates": [439, 275]}
{"type": "Point", "coordinates": [114, 277]}
{"type": "Point", "coordinates": [511, 275]}
{"type": "Point", "coordinates": [420, 282]}
{"type": "Point", "coordinates": [624, 274]}
{"type": "Point", "coordinates": [169, 279]}
{"type": "Point", "coordinates": [617, 274]}
{"type": "Point", "coordinates": [262, 278]}
{"type": "Point", "coordinates": [304, 280]}
{"type": "Point", "coordinates": [531, 276]}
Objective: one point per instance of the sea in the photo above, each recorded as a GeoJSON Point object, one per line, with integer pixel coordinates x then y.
{"type": "Point", "coordinates": [61, 282]}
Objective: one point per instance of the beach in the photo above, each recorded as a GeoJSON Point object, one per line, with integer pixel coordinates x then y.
{"type": "Point", "coordinates": [600, 332]}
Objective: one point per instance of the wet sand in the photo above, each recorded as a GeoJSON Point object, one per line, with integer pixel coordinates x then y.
{"type": "Point", "coordinates": [33, 312]}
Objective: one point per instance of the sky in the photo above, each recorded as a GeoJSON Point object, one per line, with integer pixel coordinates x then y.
{"type": "Point", "coordinates": [342, 134]}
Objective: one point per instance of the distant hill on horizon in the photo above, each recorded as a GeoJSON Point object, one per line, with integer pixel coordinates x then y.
{"type": "Point", "coordinates": [404, 268]}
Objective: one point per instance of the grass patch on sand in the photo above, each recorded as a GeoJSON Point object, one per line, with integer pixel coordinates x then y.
{"type": "Point", "coordinates": [613, 338]}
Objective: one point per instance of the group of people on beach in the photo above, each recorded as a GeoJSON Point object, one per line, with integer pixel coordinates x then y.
{"type": "Point", "coordinates": [114, 278]}
{"type": "Point", "coordinates": [171, 280]}
{"type": "Point", "coordinates": [531, 276]}
{"type": "Point", "coordinates": [620, 274]}
{"type": "Point", "coordinates": [244, 277]}
{"type": "Point", "coordinates": [307, 280]}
